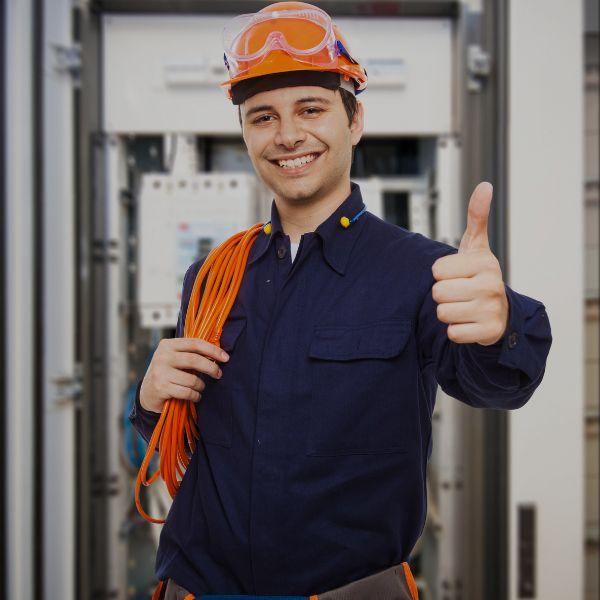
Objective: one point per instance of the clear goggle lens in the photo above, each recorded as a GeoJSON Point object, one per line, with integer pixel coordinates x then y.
{"type": "Point", "coordinates": [307, 35]}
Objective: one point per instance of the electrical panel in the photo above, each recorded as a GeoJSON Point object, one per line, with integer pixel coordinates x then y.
{"type": "Point", "coordinates": [180, 220]}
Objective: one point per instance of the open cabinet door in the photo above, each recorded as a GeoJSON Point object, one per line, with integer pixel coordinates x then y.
{"type": "Point", "coordinates": [60, 377]}
{"type": "Point", "coordinates": [22, 371]}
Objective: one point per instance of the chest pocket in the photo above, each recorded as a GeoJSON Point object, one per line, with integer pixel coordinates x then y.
{"type": "Point", "coordinates": [215, 417]}
{"type": "Point", "coordinates": [360, 402]}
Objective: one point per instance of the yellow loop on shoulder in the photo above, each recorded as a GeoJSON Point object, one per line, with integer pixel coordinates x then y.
{"type": "Point", "coordinates": [345, 222]}
{"type": "Point", "coordinates": [267, 228]}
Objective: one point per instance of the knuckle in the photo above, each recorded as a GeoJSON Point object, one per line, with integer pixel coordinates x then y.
{"type": "Point", "coordinates": [209, 367]}
{"type": "Point", "coordinates": [199, 364]}
{"type": "Point", "coordinates": [441, 312]}
{"type": "Point", "coordinates": [205, 347]}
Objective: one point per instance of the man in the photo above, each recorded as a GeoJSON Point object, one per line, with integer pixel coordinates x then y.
{"type": "Point", "coordinates": [315, 418]}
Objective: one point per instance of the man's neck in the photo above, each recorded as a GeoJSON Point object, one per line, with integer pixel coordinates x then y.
{"type": "Point", "coordinates": [299, 219]}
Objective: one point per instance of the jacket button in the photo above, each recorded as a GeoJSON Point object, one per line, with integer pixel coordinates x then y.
{"type": "Point", "coordinates": [512, 339]}
{"type": "Point", "coordinates": [281, 251]}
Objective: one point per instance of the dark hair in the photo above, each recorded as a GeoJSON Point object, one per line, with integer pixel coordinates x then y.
{"type": "Point", "coordinates": [348, 100]}
{"type": "Point", "coordinates": [350, 104]}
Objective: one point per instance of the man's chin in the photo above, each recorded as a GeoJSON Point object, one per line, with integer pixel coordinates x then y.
{"type": "Point", "coordinates": [296, 192]}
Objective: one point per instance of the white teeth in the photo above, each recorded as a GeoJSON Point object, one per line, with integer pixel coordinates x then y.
{"type": "Point", "coordinates": [297, 162]}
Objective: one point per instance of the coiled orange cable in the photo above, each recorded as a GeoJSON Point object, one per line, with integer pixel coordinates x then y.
{"type": "Point", "coordinates": [177, 426]}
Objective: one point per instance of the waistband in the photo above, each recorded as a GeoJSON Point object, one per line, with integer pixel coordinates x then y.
{"type": "Point", "coordinates": [393, 583]}
{"type": "Point", "coordinates": [242, 597]}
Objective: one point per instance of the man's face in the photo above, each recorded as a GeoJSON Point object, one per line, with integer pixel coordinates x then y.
{"type": "Point", "coordinates": [300, 142]}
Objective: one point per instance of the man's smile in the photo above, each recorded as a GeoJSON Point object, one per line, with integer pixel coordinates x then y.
{"type": "Point", "coordinates": [296, 163]}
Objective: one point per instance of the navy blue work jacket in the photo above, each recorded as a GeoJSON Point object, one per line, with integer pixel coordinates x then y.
{"type": "Point", "coordinates": [310, 471]}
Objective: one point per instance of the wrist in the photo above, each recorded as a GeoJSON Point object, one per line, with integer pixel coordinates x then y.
{"type": "Point", "coordinates": [144, 403]}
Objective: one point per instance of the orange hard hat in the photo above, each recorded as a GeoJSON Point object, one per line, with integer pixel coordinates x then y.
{"type": "Point", "coordinates": [286, 37]}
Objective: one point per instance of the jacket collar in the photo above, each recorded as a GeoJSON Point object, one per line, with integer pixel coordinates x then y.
{"type": "Point", "coordinates": [337, 241]}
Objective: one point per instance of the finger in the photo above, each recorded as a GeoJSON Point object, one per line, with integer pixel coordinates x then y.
{"type": "Point", "coordinates": [475, 236]}
{"type": "Point", "coordinates": [181, 392]}
{"type": "Point", "coordinates": [200, 346]}
{"type": "Point", "coordinates": [194, 362]}
{"type": "Point", "coordinates": [465, 333]}
{"type": "Point", "coordinates": [453, 290]}
{"type": "Point", "coordinates": [456, 312]}
{"type": "Point", "coordinates": [187, 379]}
{"type": "Point", "coordinates": [453, 266]}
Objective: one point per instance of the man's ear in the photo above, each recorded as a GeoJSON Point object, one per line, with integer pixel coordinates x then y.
{"type": "Point", "coordinates": [357, 125]}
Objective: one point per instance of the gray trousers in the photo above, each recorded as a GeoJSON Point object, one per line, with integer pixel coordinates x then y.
{"type": "Point", "coordinates": [390, 584]}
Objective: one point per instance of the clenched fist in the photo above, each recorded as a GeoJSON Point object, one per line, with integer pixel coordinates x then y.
{"type": "Point", "coordinates": [175, 369]}
{"type": "Point", "coordinates": [470, 290]}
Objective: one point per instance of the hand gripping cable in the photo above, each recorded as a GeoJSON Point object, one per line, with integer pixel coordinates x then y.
{"type": "Point", "coordinates": [177, 426]}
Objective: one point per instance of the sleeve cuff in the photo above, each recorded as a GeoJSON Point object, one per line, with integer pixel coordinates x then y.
{"type": "Point", "coordinates": [143, 420]}
{"type": "Point", "coordinates": [519, 347]}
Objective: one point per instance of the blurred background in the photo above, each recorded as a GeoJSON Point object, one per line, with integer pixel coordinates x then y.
{"type": "Point", "coordinates": [121, 162]}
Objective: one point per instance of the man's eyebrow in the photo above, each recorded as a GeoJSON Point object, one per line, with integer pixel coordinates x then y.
{"type": "Point", "coordinates": [313, 99]}
{"type": "Point", "coordinates": [269, 107]}
{"type": "Point", "coordinates": [260, 108]}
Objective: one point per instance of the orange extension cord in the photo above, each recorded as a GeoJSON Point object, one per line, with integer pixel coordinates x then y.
{"type": "Point", "coordinates": [178, 424]}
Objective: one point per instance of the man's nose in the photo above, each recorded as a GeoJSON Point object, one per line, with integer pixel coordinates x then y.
{"type": "Point", "coordinates": [289, 134]}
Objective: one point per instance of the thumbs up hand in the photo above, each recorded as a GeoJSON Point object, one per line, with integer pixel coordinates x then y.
{"type": "Point", "coordinates": [469, 288]}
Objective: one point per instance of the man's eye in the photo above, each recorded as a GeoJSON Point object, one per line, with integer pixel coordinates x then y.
{"type": "Point", "coordinates": [263, 119]}
{"type": "Point", "coordinates": [313, 110]}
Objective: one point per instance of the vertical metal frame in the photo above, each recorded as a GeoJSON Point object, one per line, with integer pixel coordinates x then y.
{"type": "Point", "coordinates": [87, 109]}
{"type": "Point", "coordinates": [38, 362]}
{"type": "Point", "coordinates": [453, 484]}
{"type": "Point", "coordinates": [110, 494]}
{"type": "Point", "coordinates": [117, 359]}
{"type": "Point", "coordinates": [484, 97]}
{"type": "Point", "coordinates": [3, 290]}
{"type": "Point", "coordinates": [61, 385]}
{"type": "Point", "coordinates": [21, 361]}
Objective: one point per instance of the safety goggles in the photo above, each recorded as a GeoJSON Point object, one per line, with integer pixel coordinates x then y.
{"type": "Point", "coordinates": [307, 35]}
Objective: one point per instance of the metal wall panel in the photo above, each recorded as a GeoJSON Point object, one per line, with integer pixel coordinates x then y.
{"type": "Point", "coordinates": [546, 261]}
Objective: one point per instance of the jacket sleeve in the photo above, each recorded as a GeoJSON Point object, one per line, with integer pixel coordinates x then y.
{"type": "Point", "coordinates": [501, 376]}
{"type": "Point", "coordinates": [145, 420]}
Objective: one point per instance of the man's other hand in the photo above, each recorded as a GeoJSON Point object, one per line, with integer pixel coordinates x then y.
{"type": "Point", "coordinates": [175, 371]}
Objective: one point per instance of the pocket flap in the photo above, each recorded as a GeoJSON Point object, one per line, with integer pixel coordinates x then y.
{"type": "Point", "coordinates": [383, 339]}
{"type": "Point", "coordinates": [231, 332]}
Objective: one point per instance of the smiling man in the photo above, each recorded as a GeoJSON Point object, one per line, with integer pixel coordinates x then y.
{"type": "Point", "coordinates": [315, 424]}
